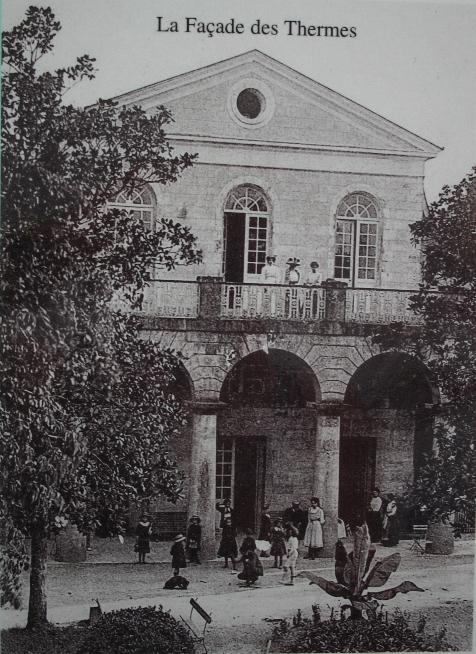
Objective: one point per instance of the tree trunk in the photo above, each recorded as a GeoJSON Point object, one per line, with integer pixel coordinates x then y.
{"type": "Point", "coordinates": [39, 555]}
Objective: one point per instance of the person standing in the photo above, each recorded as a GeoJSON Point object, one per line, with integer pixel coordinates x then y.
{"type": "Point", "coordinates": [314, 277]}
{"type": "Point", "coordinates": [224, 508]}
{"type": "Point", "coordinates": [194, 539]}
{"type": "Point", "coordinates": [278, 543]}
{"type": "Point", "coordinates": [374, 516]}
{"type": "Point", "coordinates": [270, 271]}
{"type": "Point", "coordinates": [143, 532]}
{"type": "Point", "coordinates": [313, 536]}
{"type": "Point", "coordinates": [391, 527]}
{"type": "Point", "coordinates": [292, 553]}
{"type": "Point", "coordinates": [296, 517]}
{"type": "Point", "coordinates": [178, 554]}
{"type": "Point", "coordinates": [228, 547]}
{"type": "Point", "coordinates": [265, 524]}
{"type": "Point", "coordinates": [292, 276]}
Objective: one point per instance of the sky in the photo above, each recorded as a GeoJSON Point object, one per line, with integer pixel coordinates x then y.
{"type": "Point", "coordinates": [412, 61]}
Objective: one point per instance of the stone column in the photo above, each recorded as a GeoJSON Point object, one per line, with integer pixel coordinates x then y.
{"type": "Point", "coordinates": [335, 299]}
{"type": "Point", "coordinates": [210, 289]}
{"type": "Point", "coordinates": [203, 472]}
{"type": "Point", "coordinates": [326, 470]}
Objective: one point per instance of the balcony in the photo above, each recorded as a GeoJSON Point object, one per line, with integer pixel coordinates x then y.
{"type": "Point", "coordinates": [211, 298]}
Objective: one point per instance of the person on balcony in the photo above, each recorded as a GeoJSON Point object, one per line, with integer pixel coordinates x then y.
{"type": "Point", "coordinates": [314, 277]}
{"type": "Point", "coordinates": [270, 271]}
{"type": "Point", "coordinates": [292, 276]}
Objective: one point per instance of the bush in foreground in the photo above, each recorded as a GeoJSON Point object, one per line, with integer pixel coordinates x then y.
{"type": "Point", "coordinates": [144, 630]}
{"type": "Point", "coordinates": [377, 635]}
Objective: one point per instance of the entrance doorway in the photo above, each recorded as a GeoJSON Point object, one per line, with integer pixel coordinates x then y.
{"type": "Point", "coordinates": [357, 477]}
{"type": "Point", "coordinates": [241, 467]}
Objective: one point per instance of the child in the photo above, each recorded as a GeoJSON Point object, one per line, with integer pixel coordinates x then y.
{"type": "Point", "coordinates": [252, 566]}
{"type": "Point", "coordinates": [194, 539]}
{"type": "Point", "coordinates": [248, 542]}
{"type": "Point", "coordinates": [289, 568]}
{"type": "Point", "coordinates": [278, 543]}
{"type": "Point", "coordinates": [178, 554]}
{"type": "Point", "coordinates": [228, 547]}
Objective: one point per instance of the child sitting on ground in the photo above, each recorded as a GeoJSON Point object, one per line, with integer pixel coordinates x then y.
{"type": "Point", "coordinates": [252, 567]}
{"type": "Point", "coordinates": [177, 581]}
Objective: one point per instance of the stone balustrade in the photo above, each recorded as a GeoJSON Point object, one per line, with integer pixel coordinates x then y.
{"type": "Point", "coordinates": [211, 298]}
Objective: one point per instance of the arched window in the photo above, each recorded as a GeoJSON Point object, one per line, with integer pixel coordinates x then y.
{"type": "Point", "coordinates": [356, 240]}
{"type": "Point", "coordinates": [246, 234]}
{"type": "Point", "coordinates": [141, 203]}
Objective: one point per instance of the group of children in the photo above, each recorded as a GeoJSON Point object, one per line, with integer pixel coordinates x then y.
{"type": "Point", "coordinates": [284, 548]}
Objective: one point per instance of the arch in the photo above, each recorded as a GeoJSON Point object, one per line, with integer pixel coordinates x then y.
{"type": "Point", "coordinates": [387, 431]}
{"type": "Point", "coordinates": [182, 384]}
{"type": "Point", "coordinates": [276, 378]}
{"type": "Point", "coordinates": [141, 202]}
{"type": "Point", "coordinates": [357, 240]}
{"type": "Point", "coordinates": [391, 380]}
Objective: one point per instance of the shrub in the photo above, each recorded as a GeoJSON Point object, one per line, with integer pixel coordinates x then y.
{"type": "Point", "coordinates": [346, 635]}
{"type": "Point", "coordinates": [144, 630]}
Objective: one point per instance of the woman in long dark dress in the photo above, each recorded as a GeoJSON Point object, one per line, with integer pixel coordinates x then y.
{"type": "Point", "coordinates": [143, 532]}
{"type": "Point", "coordinates": [228, 547]}
{"type": "Point", "coordinates": [391, 526]}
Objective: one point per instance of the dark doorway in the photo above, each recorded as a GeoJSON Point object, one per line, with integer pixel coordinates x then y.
{"type": "Point", "coordinates": [357, 477]}
{"type": "Point", "coordinates": [235, 225]}
{"type": "Point", "coordinates": [249, 482]}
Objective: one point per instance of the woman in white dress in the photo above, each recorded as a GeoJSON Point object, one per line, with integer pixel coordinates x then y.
{"type": "Point", "coordinates": [313, 535]}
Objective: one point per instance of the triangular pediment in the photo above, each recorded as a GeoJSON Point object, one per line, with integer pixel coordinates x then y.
{"type": "Point", "coordinates": [304, 112]}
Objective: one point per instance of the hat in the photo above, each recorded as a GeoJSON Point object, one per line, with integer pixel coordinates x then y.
{"type": "Point", "coordinates": [271, 256]}
{"type": "Point", "coordinates": [178, 538]}
{"type": "Point", "coordinates": [195, 517]}
{"type": "Point", "coordinates": [293, 261]}
{"type": "Point", "coordinates": [296, 502]}
{"type": "Point", "coordinates": [314, 264]}
{"type": "Point", "coordinates": [292, 529]}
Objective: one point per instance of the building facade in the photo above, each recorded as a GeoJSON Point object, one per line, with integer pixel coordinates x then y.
{"type": "Point", "coordinates": [289, 396]}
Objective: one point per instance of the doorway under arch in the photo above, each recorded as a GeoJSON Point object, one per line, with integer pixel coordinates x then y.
{"type": "Point", "coordinates": [266, 434]}
{"type": "Point", "coordinates": [387, 430]}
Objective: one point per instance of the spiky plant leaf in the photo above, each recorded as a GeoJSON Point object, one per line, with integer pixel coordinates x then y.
{"type": "Point", "coordinates": [389, 593]}
{"type": "Point", "coordinates": [382, 570]}
{"type": "Point", "coordinates": [361, 552]}
{"type": "Point", "coordinates": [341, 562]}
{"type": "Point", "coordinates": [330, 587]}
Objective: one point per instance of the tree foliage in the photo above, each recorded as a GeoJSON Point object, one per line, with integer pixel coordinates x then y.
{"type": "Point", "coordinates": [446, 343]}
{"type": "Point", "coordinates": [85, 410]}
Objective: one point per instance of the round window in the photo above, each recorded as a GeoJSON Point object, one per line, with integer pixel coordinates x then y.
{"type": "Point", "coordinates": [250, 103]}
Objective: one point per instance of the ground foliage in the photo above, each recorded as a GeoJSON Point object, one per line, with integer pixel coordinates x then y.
{"type": "Point", "coordinates": [446, 344]}
{"type": "Point", "coordinates": [380, 634]}
{"type": "Point", "coordinates": [143, 630]}
{"type": "Point", "coordinates": [85, 410]}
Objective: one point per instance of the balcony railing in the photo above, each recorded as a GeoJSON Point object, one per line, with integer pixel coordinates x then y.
{"type": "Point", "coordinates": [379, 306]}
{"type": "Point", "coordinates": [213, 298]}
{"type": "Point", "coordinates": [171, 299]}
{"type": "Point", "coordinates": [276, 301]}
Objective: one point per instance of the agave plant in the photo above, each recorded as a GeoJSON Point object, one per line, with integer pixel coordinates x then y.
{"type": "Point", "coordinates": [354, 576]}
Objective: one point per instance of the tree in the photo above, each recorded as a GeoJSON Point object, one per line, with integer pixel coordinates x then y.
{"type": "Point", "coordinates": [85, 407]}
{"type": "Point", "coordinates": [446, 343]}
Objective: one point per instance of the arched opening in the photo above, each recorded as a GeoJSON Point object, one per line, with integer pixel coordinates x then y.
{"type": "Point", "coordinates": [169, 519]}
{"type": "Point", "coordinates": [247, 234]}
{"type": "Point", "coordinates": [357, 240]}
{"type": "Point", "coordinates": [387, 431]}
{"type": "Point", "coordinates": [266, 435]}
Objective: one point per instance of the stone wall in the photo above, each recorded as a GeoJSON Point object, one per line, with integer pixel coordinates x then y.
{"type": "Point", "coordinates": [394, 431]}
{"type": "Point", "coordinates": [290, 443]}
{"type": "Point", "coordinates": [303, 205]}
